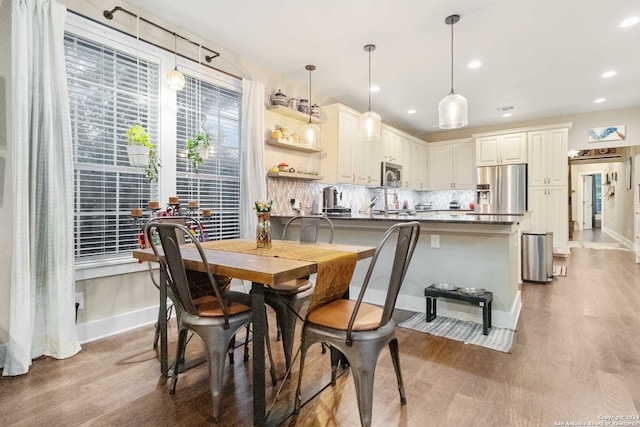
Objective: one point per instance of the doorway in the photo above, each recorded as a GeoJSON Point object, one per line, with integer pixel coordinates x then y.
{"type": "Point", "coordinates": [591, 211]}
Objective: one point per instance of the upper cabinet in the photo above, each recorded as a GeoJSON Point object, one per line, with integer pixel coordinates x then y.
{"type": "Point", "coordinates": [451, 165]}
{"type": "Point", "coordinates": [501, 149]}
{"type": "Point", "coordinates": [392, 146]}
{"type": "Point", "coordinates": [548, 157]}
{"type": "Point", "coordinates": [348, 159]}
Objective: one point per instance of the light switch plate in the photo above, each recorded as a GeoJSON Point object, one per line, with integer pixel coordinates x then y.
{"type": "Point", "coordinates": [435, 241]}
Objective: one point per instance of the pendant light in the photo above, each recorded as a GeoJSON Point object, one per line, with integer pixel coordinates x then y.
{"type": "Point", "coordinates": [369, 122]}
{"type": "Point", "coordinates": [175, 78]}
{"type": "Point", "coordinates": [310, 131]}
{"type": "Point", "coordinates": [452, 110]}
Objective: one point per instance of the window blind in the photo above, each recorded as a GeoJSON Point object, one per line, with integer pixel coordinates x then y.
{"type": "Point", "coordinates": [108, 91]}
{"type": "Point", "coordinates": [203, 106]}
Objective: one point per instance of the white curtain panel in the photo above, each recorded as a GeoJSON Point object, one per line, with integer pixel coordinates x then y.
{"type": "Point", "coordinates": [253, 184]}
{"type": "Point", "coordinates": [42, 306]}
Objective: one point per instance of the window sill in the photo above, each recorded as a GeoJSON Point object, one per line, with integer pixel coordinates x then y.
{"type": "Point", "coordinates": [115, 267]}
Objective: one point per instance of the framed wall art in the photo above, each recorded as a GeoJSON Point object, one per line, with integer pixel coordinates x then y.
{"type": "Point", "coordinates": [627, 173]}
{"type": "Point", "coordinates": [609, 133]}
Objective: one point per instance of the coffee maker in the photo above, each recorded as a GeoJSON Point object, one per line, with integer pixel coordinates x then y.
{"type": "Point", "coordinates": [329, 197]}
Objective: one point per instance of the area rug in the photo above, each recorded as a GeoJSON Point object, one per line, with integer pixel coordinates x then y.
{"type": "Point", "coordinates": [500, 339]}
{"type": "Point", "coordinates": [560, 270]}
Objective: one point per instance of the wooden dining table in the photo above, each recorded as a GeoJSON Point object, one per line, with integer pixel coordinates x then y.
{"type": "Point", "coordinates": [262, 268]}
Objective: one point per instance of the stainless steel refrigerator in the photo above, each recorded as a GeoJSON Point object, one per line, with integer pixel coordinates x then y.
{"type": "Point", "coordinates": [502, 189]}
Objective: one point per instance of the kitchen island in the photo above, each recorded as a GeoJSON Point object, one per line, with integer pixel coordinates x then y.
{"type": "Point", "coordinates": [463, 250]}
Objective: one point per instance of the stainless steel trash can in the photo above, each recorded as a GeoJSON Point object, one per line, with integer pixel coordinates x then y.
{"type": "Point", "coordinates": [537, 256]}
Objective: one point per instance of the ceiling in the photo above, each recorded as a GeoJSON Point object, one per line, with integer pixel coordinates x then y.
{"type": "Point", "coordinates": [545, 57]}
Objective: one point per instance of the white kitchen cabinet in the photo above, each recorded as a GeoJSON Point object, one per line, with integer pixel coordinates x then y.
{"type": "Point", "coordinates": [348, 159]}
{"type": "Point", "coordinates": [414, 167]}
{"type": "Point", "coordinates": [548, 212]}
{"type": "Point", "coordinates": [451, 165]}
{"type": "Point", "coordinates": [501, 149]}
{"type": "Point", "coordinates": [392, 146]}
{"type": "Point", "coordinates": [548, 170]}
{"type": "Point", "coordinates": [547, 152]}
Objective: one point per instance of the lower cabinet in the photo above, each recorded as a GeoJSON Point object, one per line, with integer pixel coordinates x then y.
{"type": "Point", "coordinates": [548, 210]}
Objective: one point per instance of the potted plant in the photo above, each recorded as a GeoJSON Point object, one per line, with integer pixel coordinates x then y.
{"type": "Point", "coordinates": [197, 149]}
{"type": "Point", "coordinates": [142, 153]}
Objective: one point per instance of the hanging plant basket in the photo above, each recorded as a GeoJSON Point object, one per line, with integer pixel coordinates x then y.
{"type": "Point", "coordinates": [142, 153]}
{"type": "Point", "coordinates": [198, 149]}
{"type": "Point", "coordinates": [138, 155]}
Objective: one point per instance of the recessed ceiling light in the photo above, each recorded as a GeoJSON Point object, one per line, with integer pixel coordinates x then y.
{"type": "Point", "coordinates": [599, 100]}
{"type": "Point", "coordinates": [629, 22]}
{"type": "Point", "coordinates": [474, 64]}
{"type": "Point", "coordinates": [411, 111]}
{"type": "Point", "coordinates": [506, 115]}
{"type": "Point", "coordinates": [608, 74]}
{"type": "Point", "coordinates": [374, 88]}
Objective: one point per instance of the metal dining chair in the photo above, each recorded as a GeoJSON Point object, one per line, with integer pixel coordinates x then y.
{"type": "Point", "coordinates": [195, 278]}
{"type": "Point", "coordinates": [360, 330]}
{"type": "Point", "coordinates": [288, 298]}
{"type": "Point", "coordinates": [214, 318]}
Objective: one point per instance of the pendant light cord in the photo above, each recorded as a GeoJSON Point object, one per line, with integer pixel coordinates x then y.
{"type": "Point", "coordinates": [175, 51]}
{"type": "Point", "coordinates": [309, 95]}
{"type": "Point", "coordinates": [369, 88]}
{"type": "Point", "coordinates": [452, 58]}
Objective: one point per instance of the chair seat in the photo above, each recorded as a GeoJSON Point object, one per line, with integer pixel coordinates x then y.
{"type": "Point", "coordinates": [336, 315]}
{"type": "Point", "coordinates": [290, 286]}
{"type": "Point", "coordinates": [208, 306]}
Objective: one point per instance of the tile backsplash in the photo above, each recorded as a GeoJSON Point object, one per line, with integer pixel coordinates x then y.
{"type": "Point", "coordinates": [281, 191]}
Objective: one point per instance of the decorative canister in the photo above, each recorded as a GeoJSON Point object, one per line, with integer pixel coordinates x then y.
{"type": "Point", "coordinates": [278, 98]}
{"type": "Point", "coordinates": [263, 230]}
{"type": "Point", "coordinates": [292, 103]}
{"type": "Point", "coordinates": [315, 111]}
{"type": "Point", "coordinates": [303, 106]}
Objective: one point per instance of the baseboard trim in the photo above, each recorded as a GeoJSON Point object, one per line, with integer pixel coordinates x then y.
{"type": "Point", "coordinates": [450, 308]}
{"type": "Point", "coordinates": [103, 328]}
{"type": "Point", "coordinates": [619, 237]}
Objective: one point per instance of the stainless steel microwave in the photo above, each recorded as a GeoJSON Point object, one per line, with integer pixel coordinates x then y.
{"type": "Point", "coordinates": [390, 174]}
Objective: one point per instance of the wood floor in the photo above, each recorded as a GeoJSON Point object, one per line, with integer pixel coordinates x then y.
{"type": "Point", "coordinates": [576, 359]}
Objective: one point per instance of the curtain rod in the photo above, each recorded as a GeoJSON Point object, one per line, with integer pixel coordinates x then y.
{"type": "Point", "coordinates": [109, 15]}
{"type": "Point", "coordinates": [107, 12]}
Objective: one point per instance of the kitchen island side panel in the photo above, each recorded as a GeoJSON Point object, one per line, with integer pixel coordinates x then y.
{"type": "Point", "coordinates": [479, 255]}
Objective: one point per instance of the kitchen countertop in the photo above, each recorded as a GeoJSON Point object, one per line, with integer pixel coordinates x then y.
{"type": "Point", "coordinates": [430, 218]}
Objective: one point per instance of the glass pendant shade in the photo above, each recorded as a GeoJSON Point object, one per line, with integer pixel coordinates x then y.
{"type": "Point", "coordinates": [311, 134]}
{"type": "Point", "coordinates": [452, 111]}
{"type": "Point", "coordinates": [369, 123]}
{"type": "Point", "coordinates": [175, 79]}
{"type": "Point", "coordinates": [369, 126]}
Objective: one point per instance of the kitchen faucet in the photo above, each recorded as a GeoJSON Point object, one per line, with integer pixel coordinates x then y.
{"type": "Point", "coordinates": [395, 194]}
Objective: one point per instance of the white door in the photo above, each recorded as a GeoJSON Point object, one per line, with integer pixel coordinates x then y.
{"type": "Point", "coordinates": [587, 202]}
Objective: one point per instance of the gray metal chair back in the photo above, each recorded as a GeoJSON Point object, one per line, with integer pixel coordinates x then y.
{"type": "Point", "coordinates": [184, 220]}
{"type": "Point", "coordinates": [309, 226]}
{"type": "Point", "coordinates": [408, 233]}
{"type": "Point", "coordinates": [171, 237]}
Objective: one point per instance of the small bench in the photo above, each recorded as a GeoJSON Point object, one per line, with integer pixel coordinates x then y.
{"type": "Point", "coordinates": [482, 300]}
